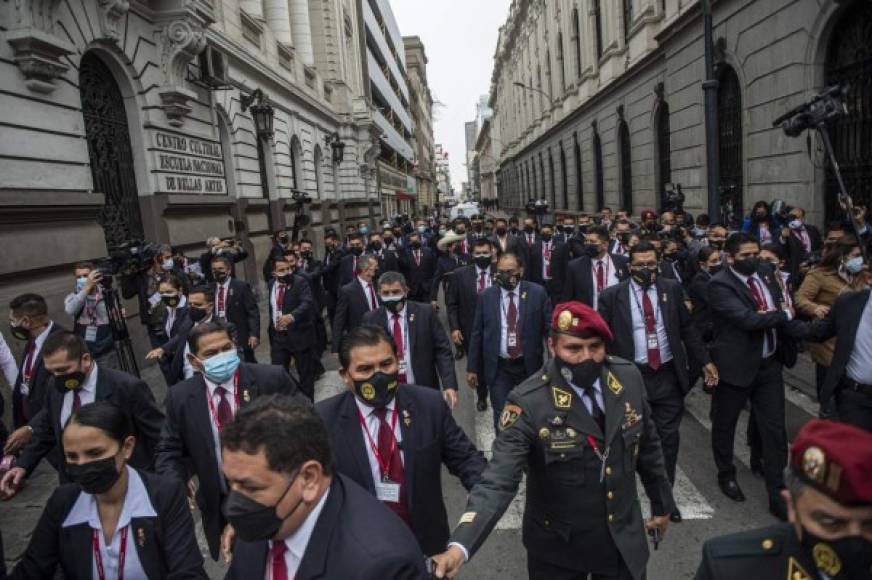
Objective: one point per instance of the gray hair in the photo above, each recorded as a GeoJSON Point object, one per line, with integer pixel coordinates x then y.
{"type": "Point", "coordinates": [392, 278]}
{"type": "Point", "coordinates": [212, 240]}
{"type": "Point", "coordinates": [365, 261]}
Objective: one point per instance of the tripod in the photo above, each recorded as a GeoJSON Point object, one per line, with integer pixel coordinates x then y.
{"type": "Point", "coordinates": [120, 333]}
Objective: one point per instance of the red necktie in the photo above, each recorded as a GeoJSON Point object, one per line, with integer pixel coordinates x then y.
{"type": "Point", "coordinates": [600, 277]}
{"type": "Point", "coordinates": [760, 301]}
{"type": "Point", "coordinates": [277, 561]}
{"type": "Point", "coordinates": [463, 246]}
{"type": "Point", "coordinates": [389, 452]}
{"type": "Point", "coordinates": [512, 322]}
{"type": "Point", "coordinates": [481, 282]}
{"type": "Point", "coordinates": [650, 328]}
{"type": "Point", "coordinates": [28, 361]}
{"type": "Point", "coordinates": [546, 257]}
{"type": "Point", "coordinates": [398, 342]}
{"type": "Point", "coordinates": [221, 298]}
{"type": "Point", "coordinates": [372, 303]}
{"type": "Point", "coordinates": [280, 299]}
{"type": "Point", "coordinates": [77, 401]}
{"type": "Point", "coordinates": [417, 257]}
{"type": "Point", "coordinates": [224, 412]}
{"type": "Point", "coordinates": [355, 266]}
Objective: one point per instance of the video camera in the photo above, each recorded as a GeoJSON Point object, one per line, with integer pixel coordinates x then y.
{"type": "Point", "coordinates": [825, 107]}
{"type": "Point", "coordinates": [673, 199]}
{"type": "Point", "coordinates": [126, 259]}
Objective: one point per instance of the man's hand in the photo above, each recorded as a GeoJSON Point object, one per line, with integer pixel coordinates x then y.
{"type": "Point", "coordinates": [192, 494]}
{"type": "Point", "coordinates": [93, 278]}
{"type": "Point", "coordinates": [710, 371]}
{"type": "Point", "coordinates": [285, 321]}
{"type": "Point", "coordinates": [435, 306]}
{"type": "Point", "coordinates": [472, 379]}
{"type": "Point", "coordinates": [154, 354]}
{"type": "Point", "coordinates": [450, 396]}
{"type": "Point", "coordinates": [448, 563]}
{"type": "Point", "coordinates": [661, 522]}
{"type": "Point", "coordinates": [253, 341]}
{"type": "Point", "coordinates": [227, 537]}
{"type": "Point", "coordinates": [19, 438]}
{"type": "Point", "coordinates": [456, 337]}
{"type": "Point", "coordinates": [821, 311]}
{"type": "Point", "coordinates": [12, 482]}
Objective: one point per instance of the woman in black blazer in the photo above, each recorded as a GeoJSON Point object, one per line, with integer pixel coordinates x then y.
{"type": "Point", "coordinates": [708, 263]}
{"type": "Point", "coordinates": [113, 516]}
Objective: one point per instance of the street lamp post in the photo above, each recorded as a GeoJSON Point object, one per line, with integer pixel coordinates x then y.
{"type": "Point", "coordinates": [710, 88]}
{"type": "Point", "coordinates": [521, 85]}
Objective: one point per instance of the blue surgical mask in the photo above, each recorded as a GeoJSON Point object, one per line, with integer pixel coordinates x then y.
{"type": "Point", "coordinates": [168, 264]}
{"type": "Point", "coordinates": [364, 230]}
{"type": "Point", "coordinates": [854, 265]}
{"type": "Point", "coordinates": [422, 229]}
{"type": "Point", "coordinates": [80, 283]}
{"type": "Point", "coordinates": [220, 368]}
{"type": "Point", "coordinates": [794, 224]}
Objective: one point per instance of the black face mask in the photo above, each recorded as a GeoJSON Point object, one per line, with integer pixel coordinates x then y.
{"type": "Point", "coordinates": [546, 237]}
{"type": "Point", "coordinates": [306, 255]}
{"type": "Point", "coordinates": [591, 250]}
{"type": "Point", "coordinates": [388, 240]}
{"type": "Point", "coordinates": [506, 280]}
{"type": "Point", "coordinates": [395, 306]}
{"type": "Point", "coordinates": [482, 261]}
{"type": "Point", "coordinates": [171, 301]}
{"type": "Point", "coordinates": [95, 476]}
{"type": "Point", "coordinates": [746, 267]}
{"type": "Point", "coordinates": [70, 381]}
{"type": "Point", "coordinates": [501, 231]}
{"type": "Point", "coordinates": [644, 277]}
{"type": "Point", "coordinates": [416, 245]}
{"type": "Point", "coordinates": [582, 374]}
{"type": "Point", "coordinates": [378, 390]}
{"type": "Point", "coordinates": [376, 246]}
{"type": "Point", "coordinates": [717, 244]}
{"type": "Point", "coordinates": [712, 270]}
{"type": "Point", "coordinates": [285, 279]}
{"type": "Point", "coordinates": [356, 250]}
{"type": "Point", "coordinates": [254, 521]}
{"type": "Point", "coordinates": [854, 556]}
{"type": "Point", "coordinates": [19, 332]}
{"type": "Point", "coordinates": [460, 232]}
{"type": "Point", "coordinates": [220, 277]}
{"type": "Point", "coordinates": [671, 257]}
{"type": "Point", "coordinates": [197, 314]}
{"type": "Point", "coordinates": [528, 229]}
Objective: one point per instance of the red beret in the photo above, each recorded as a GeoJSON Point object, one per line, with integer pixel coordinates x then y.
{"type": "Point", "coordinates": [579, 319]}
{"type": "Point", "coordinates": [836, 459]}
{"type": "Point", "coordinates": [646, 213]}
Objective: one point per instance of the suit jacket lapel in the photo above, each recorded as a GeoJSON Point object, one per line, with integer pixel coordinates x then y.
{"type": "Point", "coordinates": [406, 408]}
{"type": "Point", "coordinates": [349, 430]}
{"type": "Point", "coordinates": [522, 307]}
{"type": "Point", "coordinates": [248, 387]}
{"type": "Point", "coordinates": [104, 387]}
{"type": "Point", "coordinates": [202, 419]}
{"type": "Point", "coordinates": [314, 562]}
{"type": "Point", "coordinates": [142, 535]}
{"type": "Point", "coordinates": [624, 308]}
{"type": "Point", "coordinates": [743, 288]}
{"type": "Point", "coordinates": [413, 327]}
{"type": "Point", "coordinates": [613, 404]}
{"type": "Point", "coordinates": [79, 543]}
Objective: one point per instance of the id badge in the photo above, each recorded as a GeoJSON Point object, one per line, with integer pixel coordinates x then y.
{"type": "Point", "coordinates": [652, 341]}
{"type": "Point", "coordinates": [387, 491]}
{"type": "Point", "coordinates": [154, 299]}
{"type": "Point", "coordinates": [402, 367]}
{"type": "Point", "coordinates": [511, 340]}
{"type": "Point", "coordinates": [24, 389]}
{"type": "Point", "coordinates": [91, 334]}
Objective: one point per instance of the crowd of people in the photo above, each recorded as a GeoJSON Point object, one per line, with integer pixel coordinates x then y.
{"type": "Point", "coordinates": [582, 335]}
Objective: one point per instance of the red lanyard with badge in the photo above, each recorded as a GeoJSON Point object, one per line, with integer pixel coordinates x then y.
{"type": "Point", "coordinates": [213, 411]}
{"type": "Point", "coordinates": [91, 314]}
{"type": "Point", "coordinates": [385, 490]}
{"type": "Point", "coordinates": [602, 456]}
{"type": "Point", "coordinates": [98, 556]}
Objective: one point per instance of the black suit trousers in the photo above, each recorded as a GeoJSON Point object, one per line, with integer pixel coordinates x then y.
{"type": "Point", "coordinates": [854, 408]}
{"type": "Point", "coordinates": [766, 394]}
{"type": "Point", "coordinates": [304, 361]}
{"type": "Point", "coordinates": [541, 570]}
{"type": "Point", "coordinates": [667, 408]}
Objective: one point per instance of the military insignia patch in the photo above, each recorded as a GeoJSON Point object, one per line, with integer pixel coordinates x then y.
{"type": "Point", "coordinates": [467, 518]}
{"type": "Point", "coordinates": [614, 384]}
{"type": "Point", "coordinates": [509, 415]}
{"type": "Point", "coordinates": [562, 399]}
{"type": "Point", "coordinates": [544, 433]}
{"type": "Point", "coordinates": [368, 391]}
{"type": "Point", "coordinates": [72, 384]}
{"type": "Point", "coordinates": [564, 321]}
{"type": "Point", "coordinates": [826, 560]}
{"type": "Point", "coordinates": [795, 571]}
{"type": "Point", "coordinates": [814, 464]}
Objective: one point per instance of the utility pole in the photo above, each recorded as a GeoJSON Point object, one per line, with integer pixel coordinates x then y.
{"type": "Point", "coordinates": [710, 88]}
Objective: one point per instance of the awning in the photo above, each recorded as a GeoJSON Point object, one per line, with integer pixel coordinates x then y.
{"type": "Point", "coordinates": [402, 195]}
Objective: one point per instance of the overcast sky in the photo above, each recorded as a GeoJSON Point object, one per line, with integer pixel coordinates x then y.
{"type": "Point", "coordinates": [460, 37]}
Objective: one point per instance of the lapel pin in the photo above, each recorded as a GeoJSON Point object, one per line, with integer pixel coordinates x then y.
{"type": "Point", "coordinates": [140, 537]}
{"type": "Point", "coordinates": [412, 317]}
{"type": "Point", "coordinates": [246, 396]}
{"type": "Point", "coordinates": [407, 419]}
{"type": "Point", "coordinates": [523, 295]}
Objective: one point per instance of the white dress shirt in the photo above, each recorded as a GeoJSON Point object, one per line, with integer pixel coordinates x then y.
{"type": "Point", "coordinates": [137, 504]}
{"type": "Point", "coordinates": [7, 362]}
{"type": "Point", "coordinates": [277, 312]}
{"type": "Point", "coordinates": [859, 366]}
{"type": "Point", "coordinates": [546, 263]}
{"type": "Point", "coordinates": [504, 318]}
{"type": "Point", "coordinates": [598, 393]}
{"type": "Point", "coordinates": [87, 394]}
{"type": "Point", "coordinates": [298, 541]}
{"type": "Point", "coordinates": [610, 274]}
{"type": "Point", "coordinates": [222, 312]}
{"type": "Point", "coordinates": [404, 330]}
{"type": "Point", "coordinates": [37, 348]}
{"type": "Point", "coordinates": [488, 277]}
{"type": "Point", "coordinates": [369, 292]}
{"type": "Point", "coordinates": [171, 314]}
{"type": "Point", "coordinates": [372, 426]}
{"type": "Point", "coordinates": [216, 436]}
{"type": "Point", "coordinates": [640, 336]}
{"type": "Point", "coordinates": [768, 349]}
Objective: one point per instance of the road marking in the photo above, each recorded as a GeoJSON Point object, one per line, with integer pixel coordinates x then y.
{"type": "Point", "coordinates": [688, 498]}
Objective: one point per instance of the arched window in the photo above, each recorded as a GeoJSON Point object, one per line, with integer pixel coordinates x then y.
{"type": "Point", "coordinates": [318, 176]}
{"type": "Point", "coordinates": [598, 27]}
{"type": "Point", "coordinates": [576, 39]}
{"type": "Point", "coordinates": [579, 175]}
{"type": "Point", "coordinates": [599, 180]}
{"type": "Point", "coordinates": [849, 59]}
{"type": "Point", "coordinates": [626, 167]}
{"type": "Point", "coordinates": [563, 182]}
{"type": "Point", "coordinates": [296, 164]}
{"type": "Point", "coordinates": [664, 150]}
{"type": "Point", "coordinates": [730, 146]}
{"type": "Point", "coordinates": [560, 62]}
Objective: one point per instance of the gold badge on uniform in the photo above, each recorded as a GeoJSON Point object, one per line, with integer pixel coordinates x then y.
{"type": "Point", "coordinates": [467, 518]}
{"type": "Point", "coordinates": [562, 399]}
{"type": "Point", "coordinates": [509, 415]}
{"type": "Point", "coordinates": [564, 321]}
{"type": "Point", "coordinates": [631, 417]}
{"type": "Point", "coordinates": [614, 384]}
{"type": "Point", "coordinates": [795, 571]}
{"type": "Point", "coordinates": [368, 391]}
{"type": "Point", "coordinates": [246, 396]}
{"type": "Point", "coordinates": [826, 559]}
{"type": "Point", "coordinates": [407, 419]}
{"type": "Point", "coordinates": [544, 433]}
{"type": "Point", "coordinates": [814, 464]}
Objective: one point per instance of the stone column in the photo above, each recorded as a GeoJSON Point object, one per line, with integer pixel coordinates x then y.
{"type": "Point", "coordinates": [252, 7]}
{"type": "Point", "coordinates": [302, 31]}
{"type": "Point", "coordinates": [278, 18]}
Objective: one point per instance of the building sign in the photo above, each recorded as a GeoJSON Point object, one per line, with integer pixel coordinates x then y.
{"type": "Point", "coordinates": [187, 164]}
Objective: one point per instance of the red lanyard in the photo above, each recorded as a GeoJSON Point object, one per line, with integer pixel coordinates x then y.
{"type": "Point", "coordinates": [98, 557]}
{"type": "Point", "coordinates": [603, 457]}
{"type": "Point", "coordinates": [212, 410]}
{"type": "Point", "coordinates": [384, 465]}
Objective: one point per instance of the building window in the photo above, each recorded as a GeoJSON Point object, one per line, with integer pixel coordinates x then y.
{"type": "Point", "coordinates": [549, 90]}
{"type": "Point", "coordinates": [560, 62]}
{"type": "Point", "coordinates": [626, 167]}
{"type": "Point", "coordinates": [579, 176]}
{"type": "Point", "coordinates": [563, 182]}
{"type": "Point", "coordinates": [628, 19]}
{"type": "Point", "coordinates": [542, 176]}
{"type": "Point", "coordinates": [318, 176]}
{"type": "Point", "coordinates": [598, 27]}
{"type": "Point", "coordinates": [296, 164]}
{"type": "Point", "coordinates": [576, 39]}
{"type": "Point", "coordinates": [553, 194]}
{"type": "Point", "coordinates": [534, 194]}
{"type": "Point", "coordinates": [599, 180]}
{"type": "Point", "coordinates": [664, 149]}
{"type": "Point", "coordinates": [730, 147]}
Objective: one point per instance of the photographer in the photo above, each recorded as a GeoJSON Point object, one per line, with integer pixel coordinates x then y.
{"type": "Point", "coordinates": [87, 306]}
{"type": "Point", "coordinates": [215, 246]}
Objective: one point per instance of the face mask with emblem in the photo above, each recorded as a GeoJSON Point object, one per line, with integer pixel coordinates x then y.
{"type": "Point", "coordinates": [582, 374]}
{"type": "Point", "coordinates": [378, 390]}
{"type": "Point", "coordinates": [849, 557]}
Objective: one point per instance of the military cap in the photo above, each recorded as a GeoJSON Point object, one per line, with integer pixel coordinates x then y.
{"type": "Point", "coordinates": [579, 319]}
{"type": "Point", "coordinates": [836, 459]}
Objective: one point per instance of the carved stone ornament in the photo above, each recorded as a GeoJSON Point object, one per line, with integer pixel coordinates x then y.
{"type": "Point", "coordinates": [180, 42]}
{"type": "Point", "coordinates": [36, 49]}
{"type": "Point", "coordinates": [111, 13]}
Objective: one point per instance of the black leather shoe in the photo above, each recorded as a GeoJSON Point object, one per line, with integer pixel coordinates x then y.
{"type": "Point", "coordinates": [732, 490]}
{"type": "Point", "coordinates": [481, 405]}
{"type": "Point", "coordinates": [675, 516]}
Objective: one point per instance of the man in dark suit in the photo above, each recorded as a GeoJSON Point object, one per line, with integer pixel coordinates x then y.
{"type": "Point", "coordinates": [235, 303]}
{"type": "Point", "coordinates": [419, 265]}
{"type": "Point", "coordinates": [596, 270]}
{"type": "Point", "coordinates": [291, 322]}
{"type": "Point", "coordinates": [419, 339]}
{"type": "Point", "coordinates": [747, 313]}
{"type": "Point", "coordinates": [349, 268]}
{"type": "Point", "coordinates": [427, 436]}
{"type": "Point", "coordinates": [355, 299]}
{"type": "Point", "coordinates": [652, 327]}
{"type": "Point", "coordinates": [333, 254]}
{"type": "Point", "coordinates": [540, 257]}
{"type": "Point", "coordinates": [29, 321]}
{"type": "Point", "coordinates": [76, 381]}
{"type": "Point", "coordinates": [277, 457]}
{"type": "Point", "coordinates": [620, 233]}
{"type": "Point", "coordinates": [387, 259]}
{"type": "Point", "coordinates": [189, 441]}
{"type": "Point", "coordinates": [505, 242]}
{"type": "Point", "coordinates": [467, 284]}
{"type": "Point", "coordinates": [312, 269]}
{"type": "Point", "coordinates": [511, 321]}
{"type": "Point", "coordinates": [215, 247]}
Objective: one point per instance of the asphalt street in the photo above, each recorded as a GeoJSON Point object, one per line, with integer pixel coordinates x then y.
{"type": "Point", "coordinates": [707, 512]}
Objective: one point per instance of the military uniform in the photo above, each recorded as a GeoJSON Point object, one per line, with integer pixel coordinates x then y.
{"type": "Point", "coordinates": [772, 552]}
{"type": "Point", "coordinates": [582, 515]}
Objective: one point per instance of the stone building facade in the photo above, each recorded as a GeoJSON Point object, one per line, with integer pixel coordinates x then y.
{"type": "Point", "coordinates": [422, 117]}
{"type": "Point", "coordinates": [599, 102]}
{"type": "Point", "coordinates": [133, 120]}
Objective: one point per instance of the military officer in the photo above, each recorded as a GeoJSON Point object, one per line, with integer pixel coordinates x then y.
{"type": "Point", "coordinates": [581, 429]}
{"type": "Point", "coordinates": [829, 502]}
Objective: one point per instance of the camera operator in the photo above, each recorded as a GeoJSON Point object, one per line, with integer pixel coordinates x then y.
{"type": "Point", "coordinates": [215, 246]}
{"type": "Point", "coordinates": [803, 244]}
{"type": "Point", "coordinates": [87, 306]}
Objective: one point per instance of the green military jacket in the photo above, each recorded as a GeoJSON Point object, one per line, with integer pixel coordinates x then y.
{"type": "Point", "coordinates": [773, 552]}
{"type": "Point", "coordinates": [581, 512]}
